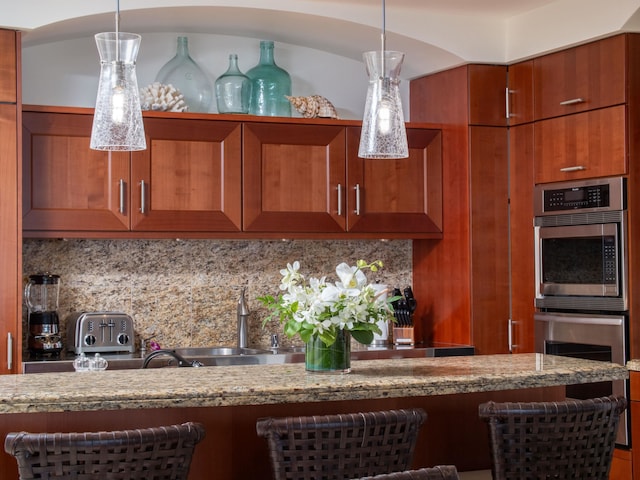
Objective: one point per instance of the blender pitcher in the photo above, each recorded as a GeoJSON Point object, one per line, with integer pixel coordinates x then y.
{"type": "Point", "coordinates": [41, 292]}
{"type": "Point", "coordinates": [41, 296]}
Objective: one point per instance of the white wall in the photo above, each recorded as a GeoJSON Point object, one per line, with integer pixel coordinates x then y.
{"type": "Point", "coordinates": [66, 72]}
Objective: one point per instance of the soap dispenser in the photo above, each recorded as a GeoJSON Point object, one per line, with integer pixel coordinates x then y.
{"type": "Point", "coordinates": [243, 320]}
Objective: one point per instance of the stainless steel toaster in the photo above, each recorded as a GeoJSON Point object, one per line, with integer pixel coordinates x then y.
{"type": "Point", "coordinates": [103, 332]}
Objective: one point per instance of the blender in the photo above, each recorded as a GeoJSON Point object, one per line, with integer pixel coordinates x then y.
{"type": "Point", "coordinates": [41, 296]}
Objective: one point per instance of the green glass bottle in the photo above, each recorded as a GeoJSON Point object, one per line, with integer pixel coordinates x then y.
{"type": "Point", "coordinates": [270, 85]}
{"type": "Point", "coordinates": [233, 89]}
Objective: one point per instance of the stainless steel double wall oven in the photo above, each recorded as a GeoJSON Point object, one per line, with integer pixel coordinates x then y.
{"type": "Point", "coordinates": [582, 278]}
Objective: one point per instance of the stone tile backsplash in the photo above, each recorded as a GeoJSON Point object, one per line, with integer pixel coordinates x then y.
{"type": "Point", "coordinates": [185, 292]}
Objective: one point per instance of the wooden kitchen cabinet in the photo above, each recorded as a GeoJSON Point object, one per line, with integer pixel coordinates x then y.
{"type": "Point", "coordinates": [584, 145]}
{"type": "Point", "coordinates": [520, 93]}
{"type": "Point", "coordinates": [10, 208]}
{"type": "Point", "coordinates": [582, 78]}
{"type": "Point", "coordinates": [67, 186]}
{"type": "Point", "coordinates": [463, 279]}
{"type": "Point", "coordinates": [294, 177]}
{"type": "Point", "coordinates": [188, 179]}
{"type": "Point", "coordinates": [309, 178]}
{"type": "Point", "coordinates": [521, 237]}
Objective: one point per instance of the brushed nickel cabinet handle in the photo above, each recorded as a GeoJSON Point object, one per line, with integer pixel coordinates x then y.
{"type": "Point", "coordinates": [507, 93]}
{"type": "Point", "coordinates": [573, 101]}
{"type": "Point", "coordinates": [339, 199]}
{"type": "Point", "coordinates": [357, 198]}
{"type": "Point", "coordinates": [143, 196]}
{"type": "Point", "coordinates": [510, 335]}
{"type": "Point", "coordinates": [9, 351]}
{"type": "Point", "coordinates": [121, 187]}
{"type": "Point", "coordinates": [577, 168]}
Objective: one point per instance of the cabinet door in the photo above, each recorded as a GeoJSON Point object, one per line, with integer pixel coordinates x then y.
{"type": "Point", "coordinates": [293, 178]}
{"type": "Point", "coordinates": [8, 66]}
{"type": "Point", "coordinates": [585, 145]}
{"type": "Point", "coordinates": [10, 242]}
{"type": "Point", "coordinates": [521, 237]}
{"type": "Point", "coordinates": [396, 195]}
{"type": "Point", "coordinates": [582, 78]}
{"type": "Point", "coordinates": [520, 94]}
{"type": "Point", "coordinates": [487, 99]}
{"type": "Point", "coordinates": [66, 185]}
{"type": "Point", "coordinates": [489, 239]}
{"type": "Point", "coordinates": [188, 178]}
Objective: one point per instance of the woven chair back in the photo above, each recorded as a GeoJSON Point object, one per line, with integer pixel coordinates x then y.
{"type": "Point", "coordinates": [439, 472]}
{"type": "Point", "coordinates": [341, 446]}
{"type": "Point", "coordinates": [159, 453]}
{"type": "Point", "coordinates": [561, 440]}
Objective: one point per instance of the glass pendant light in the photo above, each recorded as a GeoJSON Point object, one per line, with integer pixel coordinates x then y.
{"type": "Point", "coordinates": [117, 120]}
{"type": "Point", "coordinates": [383, 132]}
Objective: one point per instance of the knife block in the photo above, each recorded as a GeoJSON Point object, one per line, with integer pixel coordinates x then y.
{"type": "Point", "coordinates": [404, 336]}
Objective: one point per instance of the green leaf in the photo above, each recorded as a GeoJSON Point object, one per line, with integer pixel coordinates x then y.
{"type": "Point", "coordinates": [362, 336]}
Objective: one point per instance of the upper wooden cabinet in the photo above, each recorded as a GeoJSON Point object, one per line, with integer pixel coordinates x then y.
{"type": "Point", "coordinates": [487, 100]}
{"type": "Point", "coordinates": [9, 55]}
{"type": "Point", "coordinates": [294, 177]}
{"type": "Point", "coordinates": [188, 179]}
{"type": "Point", "coordinates": [200, 177]}
{"type": "Point", "coordinates": [585, 145]}
{"type": "Point", "coordinates": [519, 96]}
{"type": "Point", "coordinates": [582, 78]}
{"type": "Point", "coordinates": [401, 196]}
{"type": "Point", "coordinates": [309, 178]}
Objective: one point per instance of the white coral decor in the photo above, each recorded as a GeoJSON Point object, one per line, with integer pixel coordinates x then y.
{"type": "Point", "coordinates": [164, 98]}
{"type": "Point", "coordinates": [321, 308]}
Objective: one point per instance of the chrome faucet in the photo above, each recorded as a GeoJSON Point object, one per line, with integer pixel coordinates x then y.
{"type": "Point", "coordinates": [182, 362]}
{"type": "Point", "coordinates": [243, 320]}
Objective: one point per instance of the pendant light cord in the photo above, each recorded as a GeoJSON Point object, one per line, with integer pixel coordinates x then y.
{"type": "Point", "coordinates": [117, 30]}
{"type": "Point", "coordinates": [383, 39]}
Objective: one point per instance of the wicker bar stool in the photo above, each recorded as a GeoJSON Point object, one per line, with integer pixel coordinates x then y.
{"type": "Point", "coordinates": [341, 446]}
{"type": "Point", "coordinates": [564, 440]}
{"type": "Point", "coordinates": [158, 453]}
{"type": "Point", "coordinates": [439, 472]}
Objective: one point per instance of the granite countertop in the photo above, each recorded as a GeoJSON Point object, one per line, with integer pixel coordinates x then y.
{"type": "Point", "coordinates": [634, 365]}
{"type": "Point", "coordinates": [289, 383]}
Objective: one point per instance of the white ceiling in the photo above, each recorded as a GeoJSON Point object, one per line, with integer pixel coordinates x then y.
{"type": "Point", "coordinates": [434, 34]}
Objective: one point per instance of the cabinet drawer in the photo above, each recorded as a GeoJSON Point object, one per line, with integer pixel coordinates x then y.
{"type": "Point", "coordinates": [582, 78]}
{"type": "Point", "coordinates": [584, 145]}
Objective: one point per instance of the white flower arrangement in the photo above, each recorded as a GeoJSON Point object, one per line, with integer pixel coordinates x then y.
{"type": "Point", "coordinates": [321, 308]}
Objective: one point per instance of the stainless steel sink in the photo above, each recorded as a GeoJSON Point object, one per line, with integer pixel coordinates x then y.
{"type": "Point", "coordinates": [189, 352]}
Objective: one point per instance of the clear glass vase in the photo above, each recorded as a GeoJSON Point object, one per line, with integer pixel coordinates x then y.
{"type": "Point", "coordinates": [186, 75]}
{"type": "Point", "coordinates": [270, 85]}
{"type": "Point", "coordinates": [383, 131]}
{"type": "Point", "coordinates": [233, 89]}
{"type": "Point", "coordinates": [335, 358]}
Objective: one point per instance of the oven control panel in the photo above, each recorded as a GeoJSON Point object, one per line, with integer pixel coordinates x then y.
{"type": "Point", "coordinates": [586, 195]}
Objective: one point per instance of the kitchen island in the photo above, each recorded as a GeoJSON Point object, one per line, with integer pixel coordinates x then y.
{"type": "Point", "coordinates": [228, 400]}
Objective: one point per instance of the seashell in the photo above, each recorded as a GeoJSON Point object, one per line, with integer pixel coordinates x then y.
{"type": "Point", "coordinates": [164, 98]}
{"type": "Point", "coordinates": [313, 106]}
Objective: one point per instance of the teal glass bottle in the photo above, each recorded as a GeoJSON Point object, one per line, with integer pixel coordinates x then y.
{"type": "Point", "coordinates": [186, 75]}
{"type": "Point", "coordinates": [270, 85]}
{"type": "Point", "coordinates": [233, 89]}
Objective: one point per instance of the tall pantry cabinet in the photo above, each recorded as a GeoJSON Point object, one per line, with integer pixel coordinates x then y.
{"type": "Point", "coordinates": [10, 208]}
{"type": "Point", "coordinates": [463, 279]}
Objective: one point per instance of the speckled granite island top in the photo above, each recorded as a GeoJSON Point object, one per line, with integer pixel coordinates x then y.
{"type": "Point", "coordinates": [289, 383]}
{"type": "Point", "coordinates": [634, 365]}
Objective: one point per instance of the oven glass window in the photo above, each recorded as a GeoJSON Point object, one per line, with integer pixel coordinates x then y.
{"type": "Point", "coordinates": [578, 260]}
{"type": "Point", "coordinates": [600, 353]}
